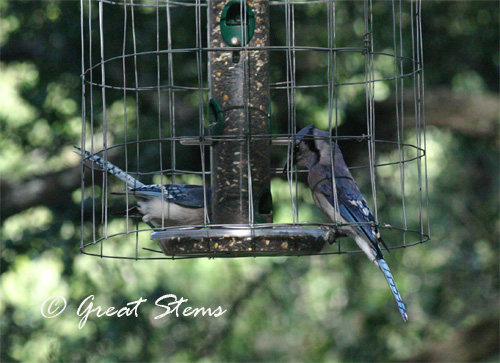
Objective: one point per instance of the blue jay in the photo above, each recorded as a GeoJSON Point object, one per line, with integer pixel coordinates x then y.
{"type": "Point", "coordinates": [176, 204]}
{"type": "Point", "coordinates": [312, 150]}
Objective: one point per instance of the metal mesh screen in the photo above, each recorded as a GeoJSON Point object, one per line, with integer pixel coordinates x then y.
{"type": "Point", "coordinates": [149, 82]}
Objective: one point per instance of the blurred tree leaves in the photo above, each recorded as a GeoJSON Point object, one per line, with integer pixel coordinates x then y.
{"type": "Point", "coordinates": [321, 308]}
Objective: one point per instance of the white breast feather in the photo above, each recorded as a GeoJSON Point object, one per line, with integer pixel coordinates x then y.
{"type": "Point", "coordinates": [173, 214]}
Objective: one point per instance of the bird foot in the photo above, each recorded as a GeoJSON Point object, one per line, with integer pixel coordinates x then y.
{"type": "Point", "coordinates": [333, 234]}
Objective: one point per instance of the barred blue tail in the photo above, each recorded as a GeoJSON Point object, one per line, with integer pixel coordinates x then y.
{"type": "Point", "coordinates": [113, 169]}
{"type": "Point", "coordinates": [388, 276]}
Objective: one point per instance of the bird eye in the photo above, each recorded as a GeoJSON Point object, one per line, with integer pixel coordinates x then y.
{"type": "Point", "coordinates": [296, 147]}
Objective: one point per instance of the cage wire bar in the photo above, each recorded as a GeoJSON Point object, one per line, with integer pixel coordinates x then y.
{"type": "Point", "coordinates": [246, 55]}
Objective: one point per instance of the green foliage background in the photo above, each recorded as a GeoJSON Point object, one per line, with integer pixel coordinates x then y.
{"type": "Point", "coordinates": [321, 308]}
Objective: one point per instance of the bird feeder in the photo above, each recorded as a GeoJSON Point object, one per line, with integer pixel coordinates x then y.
{"type": "Point", "coordinates": [240, 141]}
{"type": "Point", "coordinates": [139, 116]}
{"type": "Point", "coordinates": [239, 87]}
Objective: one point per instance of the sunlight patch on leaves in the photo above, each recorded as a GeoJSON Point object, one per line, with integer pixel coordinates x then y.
{"type": "Point", "coordinates": [14, 79]}
{"type": "Point", "coordinates": [29, 283]}
{"type": "Point", "coordinates": [35, 218]}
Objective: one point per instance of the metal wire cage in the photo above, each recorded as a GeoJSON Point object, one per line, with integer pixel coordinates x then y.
{"type": "Point", "coordinates": [212, 93]}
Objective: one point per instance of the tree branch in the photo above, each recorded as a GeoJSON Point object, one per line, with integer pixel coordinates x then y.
{"type": "Point", "coordinates": [470, 114]}
{"type": "Point", "coordinates": [53, 190]}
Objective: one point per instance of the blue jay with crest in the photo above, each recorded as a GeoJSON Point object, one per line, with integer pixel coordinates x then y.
{"type": "Point", "coordinates": [175, 204]}
{"type": "Point", "coordinates": [313, 150]}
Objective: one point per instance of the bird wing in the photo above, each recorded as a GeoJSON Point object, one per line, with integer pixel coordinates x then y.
{"type": "Point", "coordinates": [352, 206]}
{"type": "Point", "coordinates": [148, 192]}
{"type": "Point", "coordinates": [354, 209]}
{"type": "Point", "coordinates": [186, 195]}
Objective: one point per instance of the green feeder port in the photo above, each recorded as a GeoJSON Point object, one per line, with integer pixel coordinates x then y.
{"type": "Point", "coordinates": [232, 26]}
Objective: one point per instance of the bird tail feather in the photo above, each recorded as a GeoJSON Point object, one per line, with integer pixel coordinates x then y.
{"type": "Point", "coordinates": [388, 276]}
{"type": "Point", "coordinates": [113, 169]}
